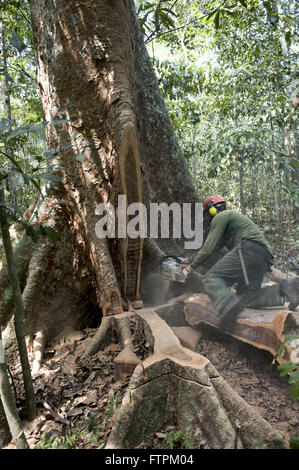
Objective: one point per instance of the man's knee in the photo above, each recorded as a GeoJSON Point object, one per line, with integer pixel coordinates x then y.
{"type": "Point", "coordinates": [211, 282]}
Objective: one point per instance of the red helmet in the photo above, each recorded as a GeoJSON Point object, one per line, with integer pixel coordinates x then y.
{"type": "Point", "coordinates": [212, 200]}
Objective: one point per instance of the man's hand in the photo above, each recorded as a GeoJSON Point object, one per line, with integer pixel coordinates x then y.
{"type": "Point", "coordinates": [187, 267]}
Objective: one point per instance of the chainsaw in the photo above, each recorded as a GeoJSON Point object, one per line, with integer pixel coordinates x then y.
{"type": "Point", "coordinates": [171, 270]}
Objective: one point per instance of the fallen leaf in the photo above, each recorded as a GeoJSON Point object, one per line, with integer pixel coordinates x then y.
{"type": "Point", "coordinates": [88, 399]}
{"type": "Point", "coordinates": [71, 392]}
{"type": "Point", "coordinates": [74, 412]}
{"type": "Point", "coordinates": [54, 414]}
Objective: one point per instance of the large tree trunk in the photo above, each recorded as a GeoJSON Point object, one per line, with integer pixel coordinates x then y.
{"type": "Point", "coordinates": [94, 72]}
{"type": "Point", "coordinates": [112, 136]}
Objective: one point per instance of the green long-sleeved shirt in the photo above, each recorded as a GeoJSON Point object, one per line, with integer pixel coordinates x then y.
{"type": "Point", "coordinates": [226, 229]}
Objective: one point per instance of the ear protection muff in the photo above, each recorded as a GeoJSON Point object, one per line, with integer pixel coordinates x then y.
{"type": "Point", "coordinates": [213, 211]}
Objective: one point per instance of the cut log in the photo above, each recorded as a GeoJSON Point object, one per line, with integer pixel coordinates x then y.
{"type": "Point", "coordinates": [264, 329]}
{"type": "Point", "coordinates": [176, 386]}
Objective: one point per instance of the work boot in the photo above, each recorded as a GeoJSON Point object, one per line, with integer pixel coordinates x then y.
{"type": "Point", "coordinates": [289, 288]}
{"type": "Point", "coordinates": [230, 312]}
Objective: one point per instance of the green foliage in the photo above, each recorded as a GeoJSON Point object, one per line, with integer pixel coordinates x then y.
{"type": "Point", "coordinates": [294, 442]}
{"type": "Point", "coordinates": [113, 403]}
{"type": "Point", "coordinates": [73, 439]}
{"type": "Point", "coordinates": [59, 442]}
{"type": "Point", "coordinates": [259, 445]}
{"type": "Point", "coordinates": [20, 58]}
{"type": "Point", "coordinates": [93, 428]}
{"type": "Point", "coordinates": [178, 439]}
{"type": "Point", "coordinates": [21, 133]}
{"type": "Point", "coordinates": [290, 369]}
{"type": "Point", "coordinates": [229, 93]}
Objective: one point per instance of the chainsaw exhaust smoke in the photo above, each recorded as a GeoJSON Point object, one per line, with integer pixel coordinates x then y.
{"type": "Point", "coordinates": [158, 288]}
{"type": "Point", "coordinates": [154, 290]}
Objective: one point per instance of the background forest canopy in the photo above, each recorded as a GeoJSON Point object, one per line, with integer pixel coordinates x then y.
{"type": "Point", "coordinates": [228, 74]}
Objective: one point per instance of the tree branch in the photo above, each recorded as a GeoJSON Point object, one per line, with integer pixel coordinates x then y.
{"type": "Point", "coordinates": [194, 21]}
{"type": "Point", "coordinates": [159, 25]}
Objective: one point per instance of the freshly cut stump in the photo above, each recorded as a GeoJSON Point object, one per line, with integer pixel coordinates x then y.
{"type": "Point", "coordinates": [177, 386]}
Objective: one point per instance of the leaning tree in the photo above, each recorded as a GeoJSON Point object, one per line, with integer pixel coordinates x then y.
{"type": "Point", "coordinates": [109, 134]}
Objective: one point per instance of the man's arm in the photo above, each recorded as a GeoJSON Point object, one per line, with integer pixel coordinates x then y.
{"type": "Point", "coordinates": [212, 242]}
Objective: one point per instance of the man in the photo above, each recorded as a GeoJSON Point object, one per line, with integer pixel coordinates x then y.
{"type": "Point", "coordinates": [248, 246]}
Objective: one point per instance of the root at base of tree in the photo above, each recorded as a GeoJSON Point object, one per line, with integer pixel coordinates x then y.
{"type": "Point", "coordinates": [179, 387]}
{"type": "Point", "coordinates": [176, 386]}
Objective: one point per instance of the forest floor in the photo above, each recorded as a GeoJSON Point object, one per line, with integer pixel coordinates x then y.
{"type": "Point", "coordinates": [77, 398]}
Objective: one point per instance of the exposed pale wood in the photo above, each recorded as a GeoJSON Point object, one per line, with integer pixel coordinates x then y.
{"type": "Point", "coordinates": [130, 173]}
{"type": "Point", "coordinates": [126, 361]}
{"type": "Point", "coordinates": [264, 329]}
{"type": "Point", "coordinates": [188, 336]}
{"type": "Point", "coordinates": [38, 350]}
{"type": "Point", "coordinates": [277, 275]}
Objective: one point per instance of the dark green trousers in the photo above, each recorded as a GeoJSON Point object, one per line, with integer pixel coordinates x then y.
{"type": "Point", "coordinates": [227, 272]}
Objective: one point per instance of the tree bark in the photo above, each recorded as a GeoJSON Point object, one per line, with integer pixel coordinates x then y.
{"type": "Point", "coordinates": [8, 404]}
{"type": "Point", "coordinates": [88, 49]}
{"type": "Point", "coordinates": [95, 76]}
{"type": "Point", "coordinates": [19, 310]}
{"type": "Point", "coordinates": [7, 104]}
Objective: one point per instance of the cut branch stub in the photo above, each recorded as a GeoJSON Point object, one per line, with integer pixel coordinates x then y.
{"type": "Point", "coordinates": [179, 387]}
{"type": "Point", "coordinates": [264, 329]}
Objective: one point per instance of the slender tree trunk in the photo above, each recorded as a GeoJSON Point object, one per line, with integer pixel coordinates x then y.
{"type": "Point", "coordinates": [19, 310]}
{"type": "Point", "coordinates": [12, 271]}
{"type": "Point", "coordinates": [7, 105]}
{"type": "Point", "coordinates": [241, 183]}
{"type": "Point", "coordinates": [9, 405]}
